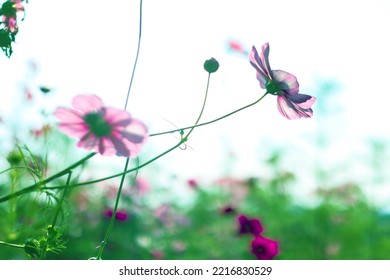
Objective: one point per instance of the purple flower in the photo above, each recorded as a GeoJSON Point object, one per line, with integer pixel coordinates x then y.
{"type": "Point", "coordinates": [249, 225]}
{"type": "Point", "coordinates": [227, 210]}
{"type": "Point", "coordinates": [264, 248]}
{"type": "Point", "coordinates": [291, 104]}
{"type": "Point", "coordinates": [120, 214]}
{"type": "Point", "coordinates": [192, 183]}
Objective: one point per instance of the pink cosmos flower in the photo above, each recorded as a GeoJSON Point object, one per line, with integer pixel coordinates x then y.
{"type": "Point", "coordinates": [291, 104]}
{"type": "Point", "coordinates": [264, 248]}
{"type": "Point", "coordinates": [103, 129]}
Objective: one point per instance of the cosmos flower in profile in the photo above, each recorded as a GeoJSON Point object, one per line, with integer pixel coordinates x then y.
{"type": "Point", "coordinates": [291, 104]}
{"type": "Point", "coordinates": [105, 130]}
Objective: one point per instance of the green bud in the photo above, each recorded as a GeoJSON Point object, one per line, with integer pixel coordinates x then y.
{"type": "Point", "coordinates": [14, 158]}
{"type": "Point", "coordinates": [211, 65]}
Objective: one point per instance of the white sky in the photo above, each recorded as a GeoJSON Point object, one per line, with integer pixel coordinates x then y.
{"type": "Point", "coordinates": [89, 46]}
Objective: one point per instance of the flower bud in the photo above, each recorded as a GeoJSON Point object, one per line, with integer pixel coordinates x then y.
{"type": "Point", "coordinates": [211, 65]}
{"type": "Point", "coordinates": [14, 158]}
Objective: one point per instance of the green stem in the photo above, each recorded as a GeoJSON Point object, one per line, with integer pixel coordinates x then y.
{"type": "Point", "coordinates": [112, 220]}
{"type": "Point", "coordinates": [124, 172]}
{"type": "Point", "coordinates": [47, 180]}
{"type": "Point", "coordinates": [212, 121]}
{"type": "Point", "coordinates": [201, 111]}
{"type": "Point", "coordinates": [137, 55]}
{"type": "Point", "coordinates": [11, 245]}
{"type": "Point", "coordinates": [104, 242]}
{"type": "Point", "coordinates": [20, 167]}
{"type": "Point", "coordinates": [62, 199]}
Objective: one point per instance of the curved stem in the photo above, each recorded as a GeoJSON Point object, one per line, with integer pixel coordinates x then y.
{"type": "Point", "coordinates": [201, 111]}
{"type": "Point", "coordinates": [136, 57]}
{"type": "Point", "coordinates": [209, 122]}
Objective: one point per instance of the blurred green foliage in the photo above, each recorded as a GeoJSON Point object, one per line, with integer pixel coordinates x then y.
{"type": "Point", "coordinates": [342, 224]}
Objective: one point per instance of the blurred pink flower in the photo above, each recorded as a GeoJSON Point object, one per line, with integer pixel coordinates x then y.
{"type": "Point", "coordinates": [237, 47]}
{"type": "Point", "coordinates": [43, 131]}
{"type": "Point", "coordinates": [264, 248]}
{"type": "Point", "coordinates": [28, 95]}
{"type": "Point", "coordinates": [11, 24]}
{"type": "Point", "coordinates": [103, 129]}
{"type": "Point", "coordinates": [179, 246]}
{"type": "Point", "coordinates": [158, 255]}
{"type": "Point", "coordinates": [291, 104]}
{"type": "Point", "coordinates": [247, 225]}
{"type": "Point", "coordinates": [121, 215]}
{"type": "Point", "coordinates": [192, 183]}
{"type": "Point", "coordinates": [141, 186]}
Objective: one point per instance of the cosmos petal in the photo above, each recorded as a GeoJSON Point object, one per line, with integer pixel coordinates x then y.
{"type": "Point", "coordinates": [68, 115]}
{"type": "Point", "coordinates": [125, 137]}
{"type": "Point", "coordinates": [291, 110]}
{"type": "Point", "coordinates": [257, 63]}
{"type": "Point", "coordinates": [304, 100]}
{"type": "Point", "coordinates": [286, 81]}
{"type": "Point", "coordinates": [87, 103]}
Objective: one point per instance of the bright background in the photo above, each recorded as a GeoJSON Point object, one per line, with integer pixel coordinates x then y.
{"type": "Point", "coordinates": [337, 49]}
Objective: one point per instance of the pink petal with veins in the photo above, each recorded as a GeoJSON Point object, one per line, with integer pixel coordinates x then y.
{"type": "Point", "coordinates": [286, 81]}
{"type": "Point", "coordinates": [87, 103]}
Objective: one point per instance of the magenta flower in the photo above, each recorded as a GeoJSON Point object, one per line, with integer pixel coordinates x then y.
{"type": "Point", "coordinates": [291, 104]}
{"type": "Point", "coordinates": [264, 248]}
{"type": "Point", "coordinates": [120, 214]}
{"type": "Point", "coordinates": [227, 210]}
{"type": "Point", "coordinates": [193, 183]}
{"type": "Point", "coordinates": [247, 225]}
{"type": "Point", "coordinates": [103, 129]}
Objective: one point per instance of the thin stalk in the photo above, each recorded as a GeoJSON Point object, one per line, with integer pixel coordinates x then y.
{"type": "Point", "coordinates": [111, 225]}
{"type": "Point", "coordinates": [212, 121]}
{"type": "Point", "coordinates": [62, 199]}
{"type": "Point", "coordinates": [202, 110]}
{"type": "Point", "coordinates": [104, 242]}
{"type": "Point", "coordinates": [11, 245]}
{"type": "Point", "coordinates": [136, 57]}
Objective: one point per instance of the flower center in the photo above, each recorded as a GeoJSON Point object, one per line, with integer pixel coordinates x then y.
{"type": "Point", "coordinates": [272, 87]}
{"type": "Point", "coordinates": [260, 250]}
{"type": "Point", "coordinates": [97, 124]}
